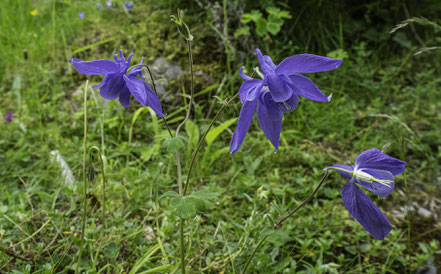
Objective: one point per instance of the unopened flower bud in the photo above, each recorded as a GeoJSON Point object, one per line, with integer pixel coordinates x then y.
{"type": "Point", "coordinates": [182, 27]}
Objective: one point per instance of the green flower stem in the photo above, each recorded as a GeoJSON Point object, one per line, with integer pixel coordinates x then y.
{"type": "Point", "coordinates": [178, 158]}
{"type": "Point", "coordinates": [203, 138]}
{"type": "Point", "coordinates": [279, 223]}
{"type": "Point", "coordinates": [83, 228]}
{"type": "Point", "coordinates": [193, 159]}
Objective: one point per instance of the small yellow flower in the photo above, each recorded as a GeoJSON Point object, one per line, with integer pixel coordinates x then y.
{"type": "Point", "coordinates": [34, 12]}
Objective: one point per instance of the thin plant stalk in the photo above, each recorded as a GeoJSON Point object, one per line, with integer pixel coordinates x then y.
{"type": "Point", "coordinates": [279, 223]}
{"type": "Point", "coordinates": [190, 169]}
{"type": "Point", "coordinates": [203, 138]}
{"type": "Point", "coordinates": [83, 227]}
{"type": "Point", "coordinates": [178, 158]}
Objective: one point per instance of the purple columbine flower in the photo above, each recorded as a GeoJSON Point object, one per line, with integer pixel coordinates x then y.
{"type": "Point", "coordinates": [116, 84]}
{"type": "Point", "coordinates": [128, 5]}
{"type": "Point", "coordinates": [8, 116]}
{"type": "Point", "coordinates": [81, 15]}
{"type": "Point", "coordinates": [109, 3]}
{"type": "Point", "coordinates": [375, 171]}
{"type": "Point", "coordinates": [277, 93]}
{"type": "Point", "coordinates": [99, 6]}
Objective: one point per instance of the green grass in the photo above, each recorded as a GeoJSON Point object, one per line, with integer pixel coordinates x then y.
{"type": "Point", "coordinates": [382, 95]}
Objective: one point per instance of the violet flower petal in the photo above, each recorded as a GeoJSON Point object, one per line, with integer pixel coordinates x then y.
{"type": "Point", "coordinates": [375, 159]}
{"type": "Point", "coordinates": [243, 75]}
{"type": "Point", "coordinates": [245, 118]}
{"type": "Point", "coordinates": [289, 105]}
{"type": "Point", "coordinates": [137, 70]}
{"type": "Point", "coordinates": [280, 92]}
{"type": "Point", "coordinates": [303, 63]}
{"type": "Point", "coordinates": [97, 67]}
{"type": "Point", "coordinates": [270, 127]}
{"type": "Point", "coordinates": [265, 63]}
{"type": "Point", "coordinates": [250, 90]}
{"type": "Point", "coordinates": [153, 102]}
{"type": "Point", "coordinates": [137, 89]}
{"type": "Point", "coordinates": [365, 211]}
{"type": "Point", "coordinates": [111, 86]}
{"type": "Point", "coordinates": [124, 97]}
{"type": "Point", "coordinates": [306, 88]}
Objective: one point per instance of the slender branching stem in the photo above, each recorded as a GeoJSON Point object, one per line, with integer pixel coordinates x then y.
{"type": "Point", "coordinates": [203, 138]}
{"type": "Point", "coordinates": [190, 169]}
{"type": "Point", "coordinates": [304, 202]}
{"type": "Point", "coordinates": [178, 158]}
{"type": "Point", "coordinates": [279, 223]}
{"type": "Point", "coordinates": [83, 228]}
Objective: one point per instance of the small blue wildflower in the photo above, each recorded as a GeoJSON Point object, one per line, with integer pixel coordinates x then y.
{"type": "Point", "coordinates": [99, 6]}
{"type": "Point", "coordinates": [8, 116]}
{"type": "Point", "coordinates": [128, 5]}
{"type": "Point", "coordinates": [109, 3]}
{"type": "Point", "coordinates": [375, 171]}
{"type": "Point", "coordinates": [81, 15]}
{"type": "Point", "coordinates": [277, 93]}
{"type": "Point", "coordinates": [116, 84]}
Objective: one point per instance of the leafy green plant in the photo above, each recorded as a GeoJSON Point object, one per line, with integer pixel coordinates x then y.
{"type": "Point", "coordinates": [272, 24]}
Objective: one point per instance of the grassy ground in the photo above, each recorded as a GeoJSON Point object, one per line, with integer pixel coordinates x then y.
{"type": "Point", "coordinates": [384, 96]}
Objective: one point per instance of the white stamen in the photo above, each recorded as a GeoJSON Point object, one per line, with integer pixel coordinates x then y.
{"type": "Point", "coordinates": [362, 176]}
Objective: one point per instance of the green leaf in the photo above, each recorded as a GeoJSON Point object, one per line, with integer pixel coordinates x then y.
{"type": "Point", "coordinates": [261, 27]}
{"type": "Point", "coordinates": [254, 16]}
{"type": "Point", "coordinates": [338, 54]}
{"type": "Point", "coordinates": [278, 13]}
{"type": "Point", "coordinates": [185, 207]}
{"type": "Point", "coordinates": [212, 135]}
{"type": "Point", "coordinates": [111, 250]}
{"type": "Point", "coordinates": [242, 31]}
{"type": "Point", "coordinates": [192, 132]}
{"type": "Point", "coordinates": [274, 24]}
{"type": "Point", "coordinates": [173, 144]}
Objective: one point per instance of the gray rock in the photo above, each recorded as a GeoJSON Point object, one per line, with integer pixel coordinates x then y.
{"type": "Point", "coordinates": [427, 268]}
{"type": "Point", "coordinates": [164, 71]}
{"type": "Point", "coordinates": [424, 212]}
{"type": "Point", "coordinates": [167, 69]}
